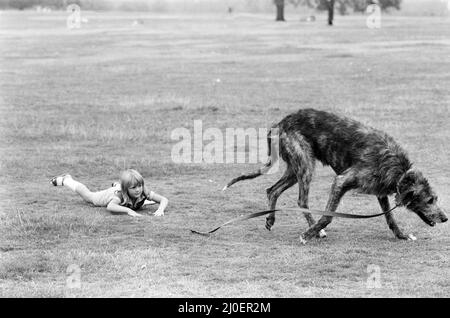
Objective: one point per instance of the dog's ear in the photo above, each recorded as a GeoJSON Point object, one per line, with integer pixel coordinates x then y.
{"type": "Point", "coordinates": [407, 186]}
{"type": "Point", "coordinates": [409, 180]}
{"type": "Point", "coordinates": [404, 198]}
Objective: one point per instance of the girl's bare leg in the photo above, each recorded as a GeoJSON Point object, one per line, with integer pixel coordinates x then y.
{"type": "Point", "coordinates": [75, 186]}
{"type": "Point", "coordinates": [83, 191]}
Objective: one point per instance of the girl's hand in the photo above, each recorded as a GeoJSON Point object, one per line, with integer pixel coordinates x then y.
{"type": "Point", "coordinates": [163, 202]}
{"type": "Point", "coordinates": [134, 214]}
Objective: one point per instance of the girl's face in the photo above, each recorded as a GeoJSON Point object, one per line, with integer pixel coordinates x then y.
{"type": "Point", "coordinates": [135, 191]}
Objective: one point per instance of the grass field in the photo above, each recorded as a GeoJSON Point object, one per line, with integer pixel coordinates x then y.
{"type": "Point", "coordinates": [96, 100]}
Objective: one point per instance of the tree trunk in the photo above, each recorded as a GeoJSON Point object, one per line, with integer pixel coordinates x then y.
{"type": "Point", "coordinates": [280, 10]}
{"type": "Point", "coordinates": [330, 11]}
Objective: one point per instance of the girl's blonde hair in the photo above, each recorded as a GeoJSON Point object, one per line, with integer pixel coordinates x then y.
{"type": "Point", "coordinates": [129, 179]}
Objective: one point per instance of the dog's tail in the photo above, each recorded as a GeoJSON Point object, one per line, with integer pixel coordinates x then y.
{"type": "Point", "coordinates": [272, 164]}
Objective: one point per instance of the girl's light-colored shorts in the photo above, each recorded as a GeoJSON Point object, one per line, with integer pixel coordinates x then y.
{"type": "Point", "coordinates": [102, 198]}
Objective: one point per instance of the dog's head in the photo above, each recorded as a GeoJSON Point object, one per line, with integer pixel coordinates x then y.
{"type": "Point", "coordinates": [415, 193]}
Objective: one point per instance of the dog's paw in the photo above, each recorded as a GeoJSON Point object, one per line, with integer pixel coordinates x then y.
{"type": "Point", "coordinates": [303, 240]}
{"type": "Point", "coordinates": [269, 223]}
{"type": "Point", "coordinates": [322, 234]}
{"type": "Point", "coordinates": [409, 237]}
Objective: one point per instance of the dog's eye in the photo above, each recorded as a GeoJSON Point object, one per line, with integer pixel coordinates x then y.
{"type": "Point", "coordinates": [431, 201]}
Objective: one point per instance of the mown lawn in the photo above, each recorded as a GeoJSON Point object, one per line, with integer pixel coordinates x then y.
{"type": "Point", "coordinates": [105, 97]}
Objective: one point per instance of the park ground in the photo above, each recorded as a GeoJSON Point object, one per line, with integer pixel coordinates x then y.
{"type": "Point", "coordinates": [95, 100]}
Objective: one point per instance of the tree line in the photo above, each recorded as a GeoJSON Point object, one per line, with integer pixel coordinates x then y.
{"type": "Point", "coordinates": [342, 6]}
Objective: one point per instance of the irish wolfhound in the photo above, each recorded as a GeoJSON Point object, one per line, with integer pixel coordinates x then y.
{"type": "Point", "coordinates": [363, 159]}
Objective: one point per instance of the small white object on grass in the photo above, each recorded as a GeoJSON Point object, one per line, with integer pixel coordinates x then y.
{"type": "Point", "coordinates": [412, 237]}
{"type": "Point", "coordinates": [302, 240]}
{"type": "Point", "coordinates": [138, 22]}
{"type": "Point", "coordinates": [322, 233]}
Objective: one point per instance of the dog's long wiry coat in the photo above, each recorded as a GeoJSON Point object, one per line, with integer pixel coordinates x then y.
{"type": "Point", "coordinates": [362, 157]}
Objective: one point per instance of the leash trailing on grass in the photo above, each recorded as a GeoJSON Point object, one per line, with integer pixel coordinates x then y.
{"type": "Point", "coordinates": [261, 213]}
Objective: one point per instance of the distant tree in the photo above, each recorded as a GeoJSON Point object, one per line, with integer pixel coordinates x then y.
{"type": "Point", "coordinates": [280, 4]}
{"type": "Point", "coordinates": [356, 5]}
{"type": "Point", "coordinates": [361, 5]}
{"type": "Point", "coordinates": [330, 5]}
{"type": "Point", "coordinates": [385, 4]}
{"type": "Point", "coordinates": [280, 10]}
{"type": "Point", "coordinates": [322, 5]}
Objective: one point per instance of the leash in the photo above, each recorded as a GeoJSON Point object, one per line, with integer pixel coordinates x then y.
{"type": "Point", "coordinates": [327, 213]}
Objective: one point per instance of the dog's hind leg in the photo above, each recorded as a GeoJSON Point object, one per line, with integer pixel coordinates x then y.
{"type": "Point", "coordinates": [299, 156]}
{"type": "Point", "coordinates": [384, 203]}
{"type": "Point", "coordinates": [342, 183]}
{"type": "Point", "coordinates": [286, 181]}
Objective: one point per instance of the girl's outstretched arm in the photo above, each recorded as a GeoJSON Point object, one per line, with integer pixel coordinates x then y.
{"type": "Point", "coordinates": [114, 207]}
{"type": "Point", "coordinates": [163, 202]}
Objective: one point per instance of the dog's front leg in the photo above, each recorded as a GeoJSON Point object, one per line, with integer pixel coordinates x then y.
{"type": "Point", "coordinates": [384, 203]}
{"type": "Point", "coordinates": [338, 189]}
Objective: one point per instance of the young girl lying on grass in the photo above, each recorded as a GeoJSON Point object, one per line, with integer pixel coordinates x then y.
{"type": "Point", "coordinates": [125, 197]}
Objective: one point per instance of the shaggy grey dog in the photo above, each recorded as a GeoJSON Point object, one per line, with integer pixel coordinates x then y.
{"type": "Point", "coordinates": [362, 157]}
